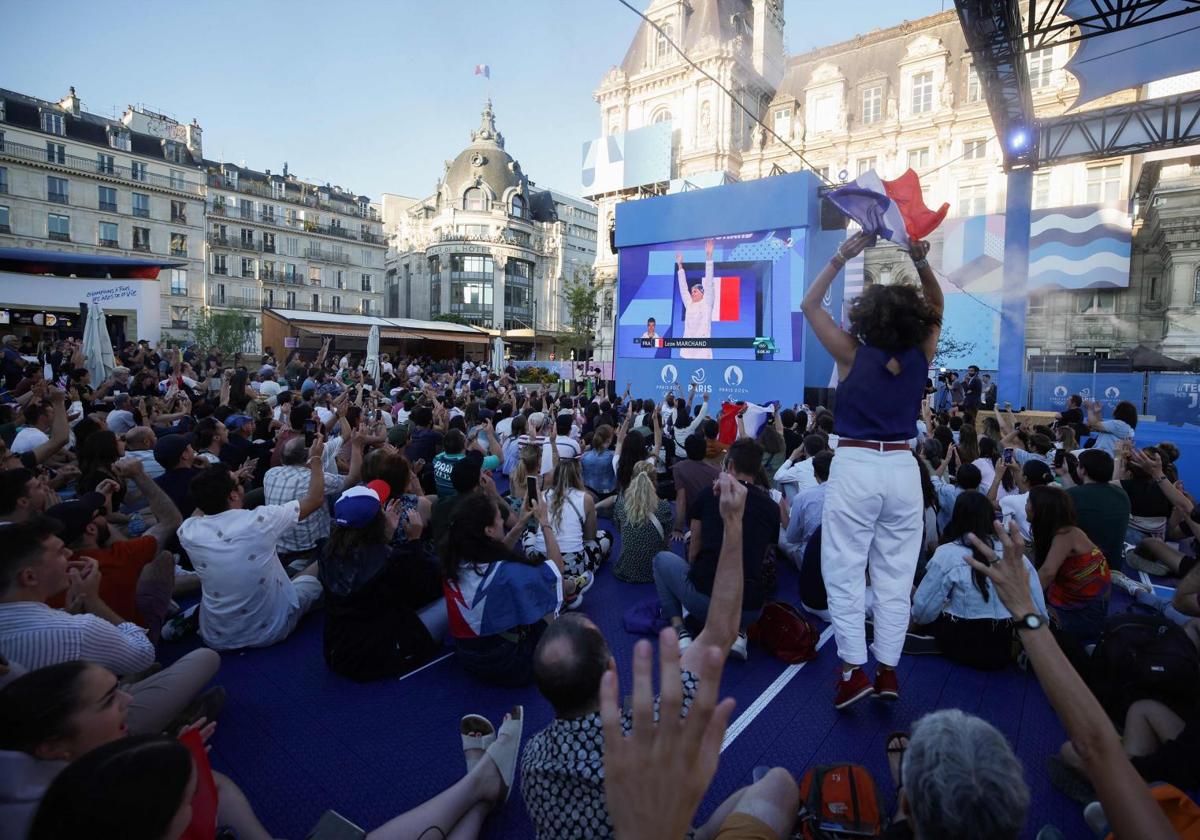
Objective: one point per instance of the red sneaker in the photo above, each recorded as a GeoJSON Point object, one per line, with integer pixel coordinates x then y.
{"type": "Point", "coordinates": [887, 687]}
{"type": "Point", "coordinates": [851, 689]}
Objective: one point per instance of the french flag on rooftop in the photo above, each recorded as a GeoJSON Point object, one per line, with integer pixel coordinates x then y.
{"type": "Point", "coordinates": [483, 70]}
{"type": "Point", "coordinates": [894, 210]}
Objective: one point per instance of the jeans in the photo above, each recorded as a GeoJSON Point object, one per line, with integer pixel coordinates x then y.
{"type": "Point", "coordinates": [676, 591]}
{"type": "Point", "coordinates": [501, 661]}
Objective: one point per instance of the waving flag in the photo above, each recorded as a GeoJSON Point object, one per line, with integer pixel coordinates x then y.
{"type": "Point", "coordinates": [894, 210]}
{"type": "Point", "coordinates": [483, 70]}
{"type": "Point", "coordinates": [726, 306]}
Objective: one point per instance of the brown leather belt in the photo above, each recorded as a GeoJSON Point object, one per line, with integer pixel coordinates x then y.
{"type": "Point", "coordinates": [876, 445]}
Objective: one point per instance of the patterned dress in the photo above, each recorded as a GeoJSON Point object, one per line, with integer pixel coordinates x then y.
{"type": "Point", "coordinates": [639, 543]}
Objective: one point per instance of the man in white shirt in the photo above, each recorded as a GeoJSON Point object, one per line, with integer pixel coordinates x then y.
{"type": "Point", "coordinates": [247, 599]}
{"type": "Point", "coordinates": [797, 470]}
{"type": "Point", "coordinates": [38, 419]}
{"type": "Point", "coordinates": [806, 509]}
{"type": "Point", "coordinates": [139, 443]}
{"type": "Point", "coordinates": [269, 388]}
{"type": "Point", "coordinates": [120, 419]}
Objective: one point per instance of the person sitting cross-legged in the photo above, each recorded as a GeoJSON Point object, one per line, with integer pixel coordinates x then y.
{"type": "Point", "coordinates": [563, 767]}
{"type": "Point", "coordinates": [247, 599]}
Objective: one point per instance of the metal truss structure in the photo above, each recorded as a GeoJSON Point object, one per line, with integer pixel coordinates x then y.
{"type": "Point", "coordinates": [998, 43]}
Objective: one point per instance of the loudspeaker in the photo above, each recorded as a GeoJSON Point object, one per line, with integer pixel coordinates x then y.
{"type": "Point", "coordinates": [831, 217]}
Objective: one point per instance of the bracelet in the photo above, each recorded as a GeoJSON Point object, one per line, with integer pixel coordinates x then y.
{"type": "Point", "coordinates": [837, 260]}
{"type": "Point", "coordinates": [921, 263]}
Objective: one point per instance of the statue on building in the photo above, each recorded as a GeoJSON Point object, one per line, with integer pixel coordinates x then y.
{"type": "Point", "coordinates": [706, 119]}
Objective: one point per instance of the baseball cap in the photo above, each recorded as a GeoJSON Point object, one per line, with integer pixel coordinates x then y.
{"type": "Point", "coordinates": [358, 506]}
{"type": "Point", "coordinates": [169, 450]}
{"type": "Point", "coordinates": [76, 514]}
{"type": "Point", "coordinates": [236, 421]}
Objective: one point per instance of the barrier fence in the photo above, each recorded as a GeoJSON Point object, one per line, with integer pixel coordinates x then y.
{"type": "Point", "coordinates": [1170, 397]}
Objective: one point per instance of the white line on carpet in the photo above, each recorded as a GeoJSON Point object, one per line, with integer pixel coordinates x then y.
{"type": "Point", "coordinates": [426, 665]}
{"type": "Point", "coordinates": [747, 717]}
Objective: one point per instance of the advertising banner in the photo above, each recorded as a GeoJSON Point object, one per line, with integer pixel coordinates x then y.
{"type": "Point", "coordinates": [1051, 390]}
{"type": "Point", "coordinates": [1174, 398]}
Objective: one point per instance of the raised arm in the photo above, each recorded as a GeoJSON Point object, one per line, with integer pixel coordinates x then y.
{"type": "Point", "coordinates": [839, 343]}
{"type": "Point", "coordinates": [725, 609]}
{"type": "Point", "coordinates": [709, 282]}
{"type": "Point", "coordinates": [681, 279]}
{"type": "Point", "coordinates": [167, 516]}
{"type": "Point", "coordinates": [932, 292]}
{"type": "Point", "coordinates": [60, 432]}
{"type": "Point", "coordinates": [314, 498]}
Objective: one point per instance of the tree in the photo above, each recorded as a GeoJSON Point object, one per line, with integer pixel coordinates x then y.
{"type": "Point", "coordinates": [579, 294]}
{"type": "Point", "coordinates": [950, 348]}
{"type": "Point", "coordinates": [451, 318]}
{"type": "Point", "coordinates": [229, 332]}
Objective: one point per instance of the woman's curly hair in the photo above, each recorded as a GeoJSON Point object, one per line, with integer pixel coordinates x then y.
{"type": "Point", "coordinates": [893, 317]}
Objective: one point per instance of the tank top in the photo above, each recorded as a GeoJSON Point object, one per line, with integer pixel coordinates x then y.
{"type": "Point", "coordinates": [875, 404]}
{"type": "Point", "coordinates": [568, 530]}
{"type": "Point", "coordinates": [1080, 579]}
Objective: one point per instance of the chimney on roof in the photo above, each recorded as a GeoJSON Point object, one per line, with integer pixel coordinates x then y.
{"type": "Point", "coordinates": [285, 172]}
{"type": "Point", "coordinates": [70, 102]}
{"type": "Point", "coordinates": [195, 140]}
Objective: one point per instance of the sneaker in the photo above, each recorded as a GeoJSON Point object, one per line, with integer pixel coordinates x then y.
{"type": "Point", "coordinates": [182, 624]}
{"type": "Point", "coordinates": [1131, 586]}
{"type": "Point", "coordinates": [887, 686]}
{"type": "Point", "coordinates": [573, 601]}
{"type": "Point", "coordinates": [1144, 564]}
{"type": "Point", "coordinates": [208, 706]}
{"type": "Point", "coordinates": [916, 644]}
{"type": "Point", "coordinates": [739, 647]}
{"type": "Point", "coordinates": [584, 581]}
{"type": "Point", "coordinates": [685, 638]}
{"type": "Point", "coordinates": [851, 688]}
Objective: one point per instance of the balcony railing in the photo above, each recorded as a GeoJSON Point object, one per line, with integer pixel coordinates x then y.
{"type": "Point", "coordinates": [327, 256]}
{"type": "Point", "coordinates": [143, 212]}
{"type": "Point", "coordinates": [34, 154]}
{"type": "Point", "coordinates": [109, 243]}
{"type": "Point", "coordinates": [349, 206]}
{"type": "Point", "coordinates": [219, 241]}
{"type": "Point", "coordinates": [60, 237]}
{"type": "Point", "coordinates": [294, 223]}
{"type": "Point", "coordinates": [141, 246]}
{"type": "Point", "coordinates": [108, 206]}
{"type": "Point", "coordinates": [58, 197]}
{"type": "Point", "coordinates": [234, 301]}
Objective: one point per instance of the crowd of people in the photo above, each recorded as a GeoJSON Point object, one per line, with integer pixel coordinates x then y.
{"type": "Point", "coordinates": [438, 502]}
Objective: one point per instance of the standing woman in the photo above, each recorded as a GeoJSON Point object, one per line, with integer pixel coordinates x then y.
{"type": "Point", "coordinates": [873, 513]}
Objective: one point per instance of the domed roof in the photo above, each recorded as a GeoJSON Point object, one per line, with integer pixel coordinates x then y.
{"type": "Point", "coordinates": [484, 161]}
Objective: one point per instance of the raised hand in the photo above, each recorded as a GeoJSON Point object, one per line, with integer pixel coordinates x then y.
{"type": "Point", "coordinates": [919, 250]}
{"type": "Point", "coordinates": [731, 495]}
{"type": "Point", "coordinates": [708, 249]}
{"type": "Point", "coordinates": [1007, 573]}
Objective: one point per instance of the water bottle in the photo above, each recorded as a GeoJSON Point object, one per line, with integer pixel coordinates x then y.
{"type": "Point", "coordinates": [137, 525]}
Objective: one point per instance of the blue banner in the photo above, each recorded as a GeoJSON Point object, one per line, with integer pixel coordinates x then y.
{"type": "Point", "coordinates": [1174, 398]}
{"type": "Point", "coordinates": [723, 379]}
{"type": "Point", "coordinates": [1051, 390]}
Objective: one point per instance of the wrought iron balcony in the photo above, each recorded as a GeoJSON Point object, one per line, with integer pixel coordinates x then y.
{"type": "Point", "coordinates": [74, 163]}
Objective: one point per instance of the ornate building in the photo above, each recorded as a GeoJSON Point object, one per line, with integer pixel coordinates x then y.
{"type": "Point", "coordinates": [488, 246]}
{"type": "Point", "coordinates": [893, 99]}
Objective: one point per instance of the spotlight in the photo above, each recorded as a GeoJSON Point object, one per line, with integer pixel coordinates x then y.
{"type": "Point", "coordinates": [1018, 140]}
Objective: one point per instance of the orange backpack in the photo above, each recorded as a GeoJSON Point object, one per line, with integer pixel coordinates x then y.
{"type": "Point", "coordinates": [1180, 810]}
{"type": "Point", "coordinates": [839, 801]}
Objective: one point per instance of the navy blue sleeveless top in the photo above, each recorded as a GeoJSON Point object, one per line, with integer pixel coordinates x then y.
{"type": "Point", "coordinates": [875, 404]}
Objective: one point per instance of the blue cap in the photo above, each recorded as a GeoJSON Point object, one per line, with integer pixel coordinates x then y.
{"type": "Point", "coordinates": [236, 421]}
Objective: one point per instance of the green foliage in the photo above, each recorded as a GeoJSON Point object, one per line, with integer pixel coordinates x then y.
{"type": "Point", "coordinates": [229, 332]}
{"type": "Point", "coordinates": [451, 318]}
{"type": "Point", "coordinates": [951, 346]}
{"type": "Point", "coordinates": [579, 293]}
{"type": "Point", "coordinates": [536, 375]}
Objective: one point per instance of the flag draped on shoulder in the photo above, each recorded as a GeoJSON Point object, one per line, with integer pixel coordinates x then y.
{"type": "Point", "coordinates": [894, 210]}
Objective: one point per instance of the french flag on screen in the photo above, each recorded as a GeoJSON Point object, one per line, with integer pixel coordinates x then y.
{"type": "Point", "coordinates": [894, 210]}
{"type": "Point", "coordinates": [727, 306]}
{"type": "Point", "coordinates": [483, 70]}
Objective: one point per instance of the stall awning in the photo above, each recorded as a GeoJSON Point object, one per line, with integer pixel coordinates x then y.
{"type": "Point", "coordinates": [67, 264]}
{"type": "Point", "coordinates": [351, 332]}
{"type": "Point", "coordinates": [459, 337]}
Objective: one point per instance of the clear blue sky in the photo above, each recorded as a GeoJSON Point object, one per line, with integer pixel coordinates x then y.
{"type": "Point", "coordinates": [373, 96]}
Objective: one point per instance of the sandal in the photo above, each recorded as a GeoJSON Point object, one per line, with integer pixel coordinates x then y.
{"type": "Point", "coordinates": [1069, 782]}
{"type": "Point", "coordinates": [894, 748]}
{"type": "Point", "coordinates": [475, 723]}
{"type": "Point", "coordinates": [505, 754]}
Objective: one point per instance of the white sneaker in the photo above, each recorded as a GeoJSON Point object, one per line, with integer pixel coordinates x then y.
{"type": "Point", "coordinates": [1133, 587]}
{"type": "Point", "coordinates": [739, 647]}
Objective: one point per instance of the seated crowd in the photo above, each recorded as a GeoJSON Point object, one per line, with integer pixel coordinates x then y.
{"type": "Point", "coordinates": [442, 503]}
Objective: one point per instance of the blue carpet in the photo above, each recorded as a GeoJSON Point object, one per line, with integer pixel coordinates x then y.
{"type": "Point", "coordinates": [300, 740]}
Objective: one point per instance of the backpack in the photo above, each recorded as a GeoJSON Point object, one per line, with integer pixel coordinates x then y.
{"type": "Point", "coordinates": [785, 632]}
{"type": "Point", "coordinates": [1179, 809]}
{"type": "Point", "coordinates": [644, 618]}
{"type": "Point", "coordinates": [1140, 657]}
{"type": "Point", "coordinates": [839, 801]}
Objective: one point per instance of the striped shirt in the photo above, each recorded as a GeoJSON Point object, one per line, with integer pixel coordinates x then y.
{"type": "Point", "coordinates": [290, 484]}
{"type": "Point", "coordinates": [37, 636]}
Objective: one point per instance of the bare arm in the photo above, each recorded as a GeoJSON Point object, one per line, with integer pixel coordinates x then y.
{"type": "Point", "coordinates": [589, 517]}
{"type": "Point", "coordinates": [60, 431]}
{"type": "Point", "coordinates": [840, 344]}
{"type": "Point", "coordinates": [167, 516]}
{"type": "Point", "coordinates": [1187, 594]}
{"type": "Point", "coordinates": [314, 498]}
{"type": "Point", "coordinates": [933, 295]}
{"type": "Point", "coordinates": [1054, 560]}
{"type": "Point", "coordinates": [725, 609]}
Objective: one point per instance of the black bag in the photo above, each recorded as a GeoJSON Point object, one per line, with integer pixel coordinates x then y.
{"type": "Point", "coordinates": [1143, 657]}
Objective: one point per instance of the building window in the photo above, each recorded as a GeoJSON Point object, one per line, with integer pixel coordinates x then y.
{"type": "Point", "coordinates": [245, 208]}
{"type": "Point", "coordinates": [1196, 289]}
{"type": "Point", "coordinates": [335, 303]}
{"type": "Point", "coordinates": [435, 286]}
{"type": "Point", "coordinates": [179, 282]}
{"type": "Point", "coordinates": [366, 257]}
{"type": "Point", "coordinates": [179, 245]}
{"type": "Point", "coordinates": [872, 104]}
{"type": "Point", "coordinates": [662, 115]}
{"type": "Point", "coordinates": [1041, 64]}
{"type": "Point", "coordinates": [268, 213]}
{"type": "Point", "coordinates": [863, 166]}
{"type": "Point", "coordinates": [3, 180]}
{"type": "Point", "coordinates": [918, 159]}
{"type": "Point", "coordinates": [972, 199]}
{"type": "Point", "coordinates": [292, 244]}
{"type": "Point", "coordinates": [177, 180]}
{"type": "Point", "coordinates": [1152, 290]}
{"type": "Point", "coordinates": [268, 243]}
{"type": "Point", "coordinates": [219, 265]}
{"type": "Point", "coordinates": [53, 123]}
{"type": "Point", "coordinates": [474, 199]}
{"type": "Point", "coordinates": [56, 190]}
{"type": "Point", "coordinates": [922, 93]}
{"type": "Point", "coordinates": [314, 275]}
{"type": "Point", "coordinates": [783, 122]}
{"type": "Point", "coordinates": [267, 271]}
{"type": "Point", "coordinates": [141, 205]}
{"type": "Point", "coordinates": [822, 112]}
{"type": "Point", "coordinates": [975, 149]}
{"type": "Point", "coordinates": [1103, 183]}
{"type": "Point", "coordinates": [107, 199]}
{"type": "Point", "coordinates": [974, 88]}
{"type": "Point", "coordinates": [518, 207]}
{"type": "Point", "coordinates": [56, 153]}
{"type": "Point", "coordinates": [248, 267]}
{"type": "Point", "coordinates": [5, 227]}
{"type": "Point", "coordinates": [366, 282]}
{"type": "Point", "coordinates": [105, 164]}
{"type": "Point", "coordinates": [179, 317]}
{"type": "Point", "coordinates": [141, 239]}
{"type": "Point", "coordinates": [179, 212]}
{"type": "Point", "coordinates": [138, 171]}
{"type": "Point", "coordinates": [269, 298]}
{"type": "Point", "coordinates": [59, 227]}
{"type": "Point", "coordinates": [119, 140]}
{"type": "Point", "coordinates": [108, 235]}
{"type": "Point", "coordinates": [662, 43]}
{"type": "Point", "coordinates": [289, 273]}
{"type": "Point", "coordinates": [277, 189]}
{"type": "Point", "coordinates": [1036, 304]}
{"type": "Point", "coordinates": [247, 237]}
{"type": "Point", "coordinates": [1096, 302]}
{"type": "Point", "coordinates": [289, 300]}
{"type": "Point", "coordinates": [1041, 190]}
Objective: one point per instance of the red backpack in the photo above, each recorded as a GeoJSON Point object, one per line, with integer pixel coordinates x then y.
{"type": "Point", "coordinates": [785, 632]}
{"type": "Point", "coordinates": [839, 801]}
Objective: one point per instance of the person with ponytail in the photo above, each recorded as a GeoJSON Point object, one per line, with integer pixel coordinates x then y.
{"type": "Point", "coordinates": [955, 607]}
{"type": "Point", "coordinates": [572, 516]}
{"type": "Point", "coordinates": [645, 523]}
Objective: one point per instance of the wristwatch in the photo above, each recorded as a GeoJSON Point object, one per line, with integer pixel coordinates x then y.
{"type": "Point", "coordinates": [1032, 621]}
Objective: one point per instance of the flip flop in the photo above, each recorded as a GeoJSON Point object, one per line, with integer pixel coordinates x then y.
{"type": "Point", "coordinates": [898, 750]}
{"type": "Point", "coordinates": [504, 754]}
{"type": "Point", "coordinates": [1069, 782]}
{"type": "Point", "coordinates": [475, 723]}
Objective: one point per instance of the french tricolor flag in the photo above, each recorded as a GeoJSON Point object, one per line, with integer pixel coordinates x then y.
{"type": "Point", "coordinates": [894, 210]}
{"type": "Point", "coordinates": [483, 70]}
{"type": "Point", "coordinates": [727, 306]}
